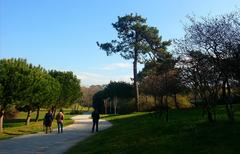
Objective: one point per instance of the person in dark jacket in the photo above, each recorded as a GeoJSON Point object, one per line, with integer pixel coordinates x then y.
{"type": "Point", "coordinates": [95, 118]}
{"type": "Point", "coordinates": [48, 121]}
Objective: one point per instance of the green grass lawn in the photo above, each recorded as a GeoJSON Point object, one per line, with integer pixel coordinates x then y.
{"type": "Point", "coordinates": [16, 127]}
{"type": "Point", "coordinates": [185, 133]}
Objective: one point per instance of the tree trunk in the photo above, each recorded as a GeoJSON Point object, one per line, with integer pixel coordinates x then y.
{"type": "Point", "coordinates": [37, 116]}
{"type": "Point", "coordinates": [1, 120]}
{"type": "Point", "coordinates": [115, 101]}
{"type": "Point", "coordinates": [136, 91]}
{"type": "Point", "coordinates": [224, 98]}
{"type": "Point", "coordinates": [167, 113]}
{"type": "Point", "coordinates": [161, 105]}
{"type": "Point", "coordinates": [110, 107]}
{"type": "Point", "coordinates": [54, 112]}
{"type": "Point", "coordinates": [195, 99]}
{"type": "Point", "coordinates": [161, 101]}
{"type": "Point", "coordinates": [229, 102]}
{"type": "Point", "coordinates": [155, 102]}
{"type": "Point", "coordinates": [224, 91]}
{"type": "Point", "coordinates": [28, 117]}
{"type": "Point", "coordinates": [166, 107]}
{"type": "Point", "coordinates": [208, 109]}
{"type": "Point", "coordinates": [214, 114]}
{"type": "Point", "coordinates": [52, 108]}
{"type": "Point", "coordinates": [105, 105]}
{"type": "Point", "coordinates": [210, 118]}
{"type": "Point", "coordinates": [175, 100]}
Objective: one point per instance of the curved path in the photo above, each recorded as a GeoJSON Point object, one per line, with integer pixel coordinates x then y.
{"type": "Point", "coordinates": [53, 143]}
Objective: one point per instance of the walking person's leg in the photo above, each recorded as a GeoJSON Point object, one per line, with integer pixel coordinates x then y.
{"type": "Point", "coordinates": [97, 126]}
{"type": "Point", "coordinates": [50, 127]}
{"type": "Point", "coordinates": [61, 124]}
{"type": "Point", "coordinates": [93, 126]}
{"type": "Point", "coordinates": [43, 126]}
{"type": "Point", "coordinates": [58, 127]}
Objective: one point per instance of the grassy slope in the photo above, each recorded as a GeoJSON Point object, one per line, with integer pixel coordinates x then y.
{"type": "Point", "coordinates": [186, 132]}
{"type": "Point", "coordinates": [16, 127]}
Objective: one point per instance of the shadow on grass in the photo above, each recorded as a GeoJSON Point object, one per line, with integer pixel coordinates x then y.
{"type": "Point", "coordinates": [13, 123]}
{"type": "Point", "coordinates": [12, 133]}
{"type": "Point", "coordinates": [27, 131]}
{"type": "Point", "coordinates": [108, 115]}
{"type": "Point", "coordinates": [17, 122]}
{"type": "Point", "coordinates": [14, 120]}
{"type": "Point", "coordinates": [4, 138]}
{"type": "Point", "coordinates": [185, 133]}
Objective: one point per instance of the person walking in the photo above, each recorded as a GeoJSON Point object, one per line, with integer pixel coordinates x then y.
{"type": "Point", "coordinates": [95, 118]}
{"type": "Point", "coordinates": [59, 118]}
{"type": "Point", "coordinates": [48, 118]}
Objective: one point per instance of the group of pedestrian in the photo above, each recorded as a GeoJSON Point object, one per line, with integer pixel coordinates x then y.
{"type": "Point", "coordinates": [48, 119]}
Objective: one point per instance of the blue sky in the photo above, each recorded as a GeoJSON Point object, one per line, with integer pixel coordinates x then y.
{"type": "Point", "coordinates": [62, 34]}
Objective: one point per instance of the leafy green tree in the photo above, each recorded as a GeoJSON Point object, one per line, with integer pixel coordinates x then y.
{"type": "Point", "coordinates": [118, 90]}
{"type": "Point", "coordinates": [70, 88]}
{"type": "Point", "coordinates": [30, 88]}
{"type": "Point", "coordinates": [137, 41]}
{"type": "Point", "coordinates": [114, 93]}
{"type": "Point", "coordinates": [54, 91]}
{"type": "Point", "coordinates": [34, 92]}
{"type": "Point", "coordinates": [45, 90]}
{"type": "Point", "coordinates": [14, 75]}
{"type": "Point", "coordinates": [98, 100]}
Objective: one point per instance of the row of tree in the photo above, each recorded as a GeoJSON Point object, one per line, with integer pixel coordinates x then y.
{"type": "Point", "coordinates": [161, 79]}
{"type": "Point", "coordinates": [210, 61]}
{"type": "Point", "coordinates": [112, 98]}
{"type": "Point", "coordinates": [205, 63]}
{"type": "Point", "coordinates": [142, 43]}
{"type": "Point", "coordinates": [88, 93]}
{"type": "Point", "coordinates": [138, 41]}
{"type": "Point", "coordinates": [30, 88]}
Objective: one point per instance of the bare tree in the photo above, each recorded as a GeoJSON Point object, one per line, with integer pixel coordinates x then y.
{"type": "Point", "coordinates": [218, 40]}
{"type": "Point", "coordinates": [160, 78]}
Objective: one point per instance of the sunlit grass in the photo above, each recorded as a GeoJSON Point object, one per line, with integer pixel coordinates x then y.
{"type": "Point", "coordinates": [16, 127]}
{"type": "Point", "coordinates": [186, 132]}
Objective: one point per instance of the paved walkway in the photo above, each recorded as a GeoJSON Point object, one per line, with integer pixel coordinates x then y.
{"type": "Point", "coordinates": [53, 143]}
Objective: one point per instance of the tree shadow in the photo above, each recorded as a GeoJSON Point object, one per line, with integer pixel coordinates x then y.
{"type": "Point", "coordinates": [13, 123]}
{"type": "Point", "coordinates": [27, 131]}
{"type": "Point", "coordinates": [12, 133]}
{"type": "Point", "coordinates": [14, 120]}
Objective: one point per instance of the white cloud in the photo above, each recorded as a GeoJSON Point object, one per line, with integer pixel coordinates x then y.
{"type": "Point", "coordinates": [88, 78]}
{"type": "Point", "coordinates": [115, 66]}
{"type": "Point", "coordinates": [87, 75]}
{"type": "Point", "coordinates": [121, 71]}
